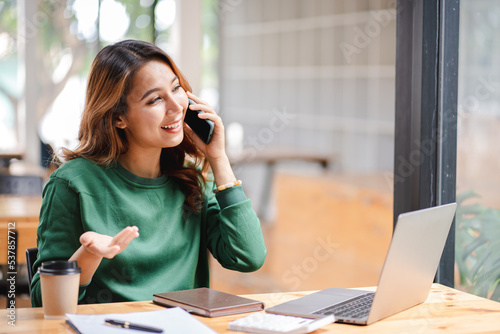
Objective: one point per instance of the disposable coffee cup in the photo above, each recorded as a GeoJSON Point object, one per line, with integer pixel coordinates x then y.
{"type": "Point", "coordinates": [60, 282]}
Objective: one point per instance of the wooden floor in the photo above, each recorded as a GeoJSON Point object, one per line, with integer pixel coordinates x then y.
{"type": "Point", "coordinates": [329, 230]}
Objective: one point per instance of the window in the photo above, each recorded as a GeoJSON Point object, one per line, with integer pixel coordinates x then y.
{"type": "Point", "coordinates": [478, 155]}
{"type": "Point", "coordinates": [305, 82]}
{"type": "Point", "coordinates": [8, 88]}
{"type": "Point", "coordinates": [42, 83]}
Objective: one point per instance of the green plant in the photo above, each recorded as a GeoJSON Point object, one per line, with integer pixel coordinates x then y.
{"type": "Point", "coordinates": [478, 246]}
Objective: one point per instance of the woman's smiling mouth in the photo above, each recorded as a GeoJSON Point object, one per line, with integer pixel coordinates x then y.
{"type": "Point", "coordinates": [172, 126]}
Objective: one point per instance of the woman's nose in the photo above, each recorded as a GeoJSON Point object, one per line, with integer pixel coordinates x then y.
{"type": "Point", "coordinates": [174, 105]}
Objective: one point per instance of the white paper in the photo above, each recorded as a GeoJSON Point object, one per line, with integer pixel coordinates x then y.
{"type": "Point", "coordinates": [172, 320]}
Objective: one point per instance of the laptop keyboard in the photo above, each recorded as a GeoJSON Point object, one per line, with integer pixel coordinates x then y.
{"type": "Point", "coordinates": [356, 308]}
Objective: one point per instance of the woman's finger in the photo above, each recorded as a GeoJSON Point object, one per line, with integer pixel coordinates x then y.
{"type": "Point", "coordinates": [125, 234]}
{"type": "Point", "coordinates": [200, 105]}
{"type": "Point", "coordinates": [124, 237]}
{"type": "Point", "coordinates": [205, 109]}
{"type": "Point", "coordinates": [196, 98]}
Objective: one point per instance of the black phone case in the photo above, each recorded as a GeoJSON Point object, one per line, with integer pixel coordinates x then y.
{"type": "Point", "coordinates": [203, 128]}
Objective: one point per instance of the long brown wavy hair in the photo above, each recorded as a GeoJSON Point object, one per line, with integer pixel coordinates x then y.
{"type": "Point", "coordinates": [108, 86]}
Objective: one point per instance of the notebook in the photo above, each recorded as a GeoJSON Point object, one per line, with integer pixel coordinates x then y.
{"type": "Point", "coordinates": [207, 302]}
{"type": "Point", "coordinates": [172, 320]}
{"type": "Point", "coordinates": [406, 278]}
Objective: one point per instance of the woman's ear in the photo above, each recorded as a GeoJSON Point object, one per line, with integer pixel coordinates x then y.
{"type": "Point", "coordinates": [120, 123]}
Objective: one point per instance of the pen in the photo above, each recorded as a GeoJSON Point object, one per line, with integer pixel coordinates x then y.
{"type": "Point", "coordinates": [128, 325]}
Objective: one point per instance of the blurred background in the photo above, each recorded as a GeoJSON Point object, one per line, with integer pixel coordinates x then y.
{"type": "Point", "coordinates": [306, 89]}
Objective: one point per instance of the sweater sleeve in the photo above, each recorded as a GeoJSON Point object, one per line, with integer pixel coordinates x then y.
{"type": "Point", "coordinates": [234, 235]}
{"type": "Point", "coordinates": [58, 231]}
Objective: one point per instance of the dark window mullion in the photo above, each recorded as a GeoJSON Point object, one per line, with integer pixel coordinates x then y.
{"type": "Point", "coordinates": [426, 90]}
{"type": "Point", "coordinates": [447, 144]}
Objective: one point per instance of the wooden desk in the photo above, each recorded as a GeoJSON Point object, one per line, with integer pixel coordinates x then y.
{"type": "Point", "coordinates": [22, 213]}
{"type": "Point", "coordinates": [445, 311]}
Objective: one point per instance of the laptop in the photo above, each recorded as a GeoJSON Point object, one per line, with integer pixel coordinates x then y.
{"type": "Point", "coordinates": [405, 281]}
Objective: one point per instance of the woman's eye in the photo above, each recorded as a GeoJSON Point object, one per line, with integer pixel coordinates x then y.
{"type": "Point", "coordinates": [153, 101]}
{"type": "Point", "coordinates": [176, 88]}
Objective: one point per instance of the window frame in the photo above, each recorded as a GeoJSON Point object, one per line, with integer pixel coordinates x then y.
{"type": "Point", "coordinates": [425, 149]}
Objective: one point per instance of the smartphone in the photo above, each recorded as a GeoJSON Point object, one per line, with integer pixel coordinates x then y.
{"type": "Point", "coordinates": [204, 128]}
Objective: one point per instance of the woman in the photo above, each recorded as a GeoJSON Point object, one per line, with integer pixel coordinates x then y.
{"type": "Point", "coordinates": [131, 204]}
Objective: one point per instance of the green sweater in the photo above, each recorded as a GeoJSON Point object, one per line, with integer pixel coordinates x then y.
{"type": "Point", "coordinates": [171, 252]}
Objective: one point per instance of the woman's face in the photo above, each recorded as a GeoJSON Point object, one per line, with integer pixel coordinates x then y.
{"type": "Point", "coordinates": [156, 106]}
